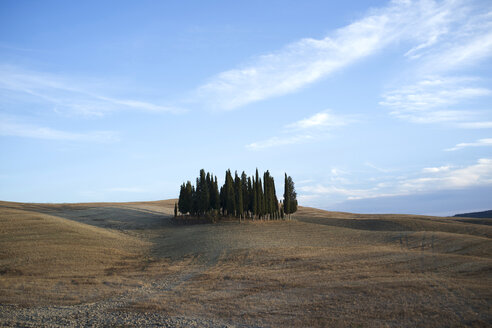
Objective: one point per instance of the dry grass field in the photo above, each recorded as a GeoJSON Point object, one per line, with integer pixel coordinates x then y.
{"type": "Point", "coordinates": [126, 264]}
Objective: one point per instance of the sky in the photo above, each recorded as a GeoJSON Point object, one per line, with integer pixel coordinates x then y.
{"type": "Point", "coordinates": [370, 106]}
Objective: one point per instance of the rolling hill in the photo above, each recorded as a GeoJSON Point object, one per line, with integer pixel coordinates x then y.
{"type": "Point", "coordinates": [128, 264]}
{"type": "Point", "coordinates": [483, 214]}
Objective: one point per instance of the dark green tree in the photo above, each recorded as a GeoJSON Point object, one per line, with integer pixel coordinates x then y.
{"type": "Point", "coordinates": [185, 200]}
{"type": "Point", "coordinates": [270, 197]}
{"type": "Point", "coordinates": [274, 198]}
{"type": "Point", "coordinates": [254, 197]}
{"type": "Point", "coordinates": [214, 195]}
{"type": "Point", "coordinates": [203, 194]}
{"type": "Point", "coordinates": [250, 197]}
{"type": "Point", "coordinates": [245, 193]}
{"type": "Point", "coordinates": [240, 196]}
{"type": "Point", "coordinates": [222, 196]}
{"type": "Point", "coordinates": [266, 193]}
{"type": "Point", "coordinates": [175, 209]}
{"type": "Point", "coordinates": [261, 199]}
{"type": "Point", "coordinates": [194, 201]}
{"type": "Point", "coordinates": [230, 197]}
{"type": "Point", "coordinates": [208, 182]}
{"type": "Point", "coordinates": [181, 201]}
{"type": "Point", "coordinates": [290, 196]}
{"type": "Point", "coordinates": [238, 192]}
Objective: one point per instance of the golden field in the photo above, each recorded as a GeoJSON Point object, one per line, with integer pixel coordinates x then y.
{"type": "Point", "coordinates": [127, 264]}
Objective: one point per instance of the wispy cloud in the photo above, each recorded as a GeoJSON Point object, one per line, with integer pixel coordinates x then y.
{"type": "Point", "coordinates": [308, 60]}
{"type": "Point", "coordinates": [424, 101]}
{"type": "Point", "coordinates": [478, 143]}
{"type": "Point", "coordinates": [436, 169]}
{"type": "Point", "coordinates": [463, 42]}
{"type": "Point", "coordinates": [333, 190]}
{"type": "Point", "coordinates": [126, 189]}
{"type": "Point", "coordinates": [473, 175]}
{"type": "Point", "coordinates": [319, 120]}
{"type": "Point", "coordinates": [377, 168]}
{"type": "Point", "coordinates": [10, 127]}
{"type": "Point", "coordinates": [67, 94]}
{"type": "Point", "coordinates": [279, 141]}
{"type": "Point", "coordinates": [475, 125]}
{"type": "Point", "coordinates": [432, 93]}
{"type": "Point", "coordinates": [427, 180]}
{"type": "Point", "coordinates": [307, 129]}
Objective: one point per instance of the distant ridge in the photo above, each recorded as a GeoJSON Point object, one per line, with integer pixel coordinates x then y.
{"type": "Point", "coordinates": [483, 214]}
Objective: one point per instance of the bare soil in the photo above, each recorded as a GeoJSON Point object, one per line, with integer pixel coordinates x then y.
{"type": "Point", "coordinates": [127, 264]}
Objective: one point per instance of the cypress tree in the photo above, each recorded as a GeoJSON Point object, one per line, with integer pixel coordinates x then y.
{"type": "Point", "coordinates": [239, 195]}
{"type": "Point", "coordinates": [266, 192]}
{"type": "Point", "coordinates": [273, 201]}
{"type": "Point", "coordinates": [215, 199]}
{"type": "Point", "coordinates": [290, 196]}
{"type": "Point", "coordinates": [230, 195]}
{"type": "Point", "coordinates": [175, 209]}
{"type": "Point", "coordinates": [188, 200]}
{"type": "Point", "coordinates": [222, 199]}
{"type": "Point", "coordinates": [181, 198]}
{"type": "Point", "coordinates": [286, 197]}
{"type": "Point", "coordinates": [244, 190]}
{"type": "Point", "coordinates": [254, 197]}
{"type": "Point", "coordinates": [270, 197]}
{"type": "Point", "coordinates": [208, 182]}
{"type": "Point", "coordinates": [250, 196]}
{"type": "Point", "coordinates": [194, 201]}
{"type": "Point", "coordinates": [203, 194]}
{"type": "Point", "coordinates": [185, 198]}
{"type": "Point", "coordinates": [261, 200]}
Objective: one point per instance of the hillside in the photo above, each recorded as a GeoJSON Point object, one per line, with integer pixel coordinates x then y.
{"type": "Point", "coordinates": [126, 264]}
{"type": "Point", "coordinates": [483, 214]}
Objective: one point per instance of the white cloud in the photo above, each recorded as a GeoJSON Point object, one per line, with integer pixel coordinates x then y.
{"type": "Point", "coordinates": [305, 181]}
{"type": "Point", "coordinates": [309, 60]}
{"type": "Point", "coordinates": [307, 129]}
{"type": "Point", "coordinates": [431, 93]}
{"type": "Point", "coordinates": [319, 120]}
{"type": "Point", "coordinates": [303, 199]}
{"type": "Point", "coordinates": [464, 54]}
{"type": "Point", "coordinates": [279, 141]}
{"type": "Point", "coordinates": [475, 125]}
{"type": "Point", "coordinates": [423, 102]}
{"type": "Point", "coordinates": [336, 171]}
{"type": "Point", "coordinates": [9, 127]}
{"type": "Point", "coordinates": [67, 94]}
{"type": "Point", "coordinates": [467, 42]}
{"type": "Point", "coordinates": [436, 169]}
{"type": "Point", "coordinates": [377, 168]}
{"type": "Point", "coordinates": [429, 179]}
{"type": "Point", "coordinates": [478, 143]}
{"type": "Point", "coordinates": [463, 42]}
{"type": "Point", "coordinates": [349, 193]}
{"type": "Point", "coordinates": [473, 175]}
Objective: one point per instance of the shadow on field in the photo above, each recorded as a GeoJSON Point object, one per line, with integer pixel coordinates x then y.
{"type": "Point", "coordinates": [360, 224]}
{"type": "Point", "coordinates": [104, 215]}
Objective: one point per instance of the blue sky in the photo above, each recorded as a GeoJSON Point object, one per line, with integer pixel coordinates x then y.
{"type": "Point", "coordinates": [371, 106]}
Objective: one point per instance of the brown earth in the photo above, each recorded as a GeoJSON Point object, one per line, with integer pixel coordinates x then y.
{"type": "Point", "coordinates": [126, 264]}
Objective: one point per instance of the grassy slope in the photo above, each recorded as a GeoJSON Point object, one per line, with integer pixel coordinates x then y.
{"type": "Point", "coordinates": [324, 268]}
{"type": "Point", "coordinates": [43, 256]}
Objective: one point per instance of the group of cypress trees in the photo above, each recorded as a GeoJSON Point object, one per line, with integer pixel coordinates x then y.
{"type": "Point", "coordinates": [240, 196]}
